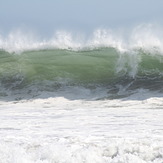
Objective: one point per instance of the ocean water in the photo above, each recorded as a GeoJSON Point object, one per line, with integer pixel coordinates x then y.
{"type": "Point", "coordinates": [76, 99]}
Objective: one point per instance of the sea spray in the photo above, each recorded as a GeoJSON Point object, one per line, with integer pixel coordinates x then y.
{"type": "Point", "coordinates": [144, 36]}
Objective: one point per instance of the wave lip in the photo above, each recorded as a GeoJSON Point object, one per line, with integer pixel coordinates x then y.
{"type": "Point", "coordinates": [144, 36]}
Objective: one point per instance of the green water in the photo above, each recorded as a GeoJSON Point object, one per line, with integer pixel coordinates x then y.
{"type": "Point", "coordinates": [103, 66]}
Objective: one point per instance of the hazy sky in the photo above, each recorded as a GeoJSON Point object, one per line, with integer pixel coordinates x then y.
{"type": "Point", "coordinates": [49, 15]}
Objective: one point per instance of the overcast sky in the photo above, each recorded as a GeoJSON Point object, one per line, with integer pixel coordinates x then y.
{"type": "Point", "coordinates": [49, 15]}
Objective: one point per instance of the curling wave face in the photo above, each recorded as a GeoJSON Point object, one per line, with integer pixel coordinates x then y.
{"type": "Point", "coordinates": [105, 61]}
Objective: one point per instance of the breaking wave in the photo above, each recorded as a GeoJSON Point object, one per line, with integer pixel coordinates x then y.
{"type": "Point", "coordinates": [107, 59]}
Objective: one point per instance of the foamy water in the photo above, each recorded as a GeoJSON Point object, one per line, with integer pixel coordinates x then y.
{"type": "Point", "coordinates": [62, 130]}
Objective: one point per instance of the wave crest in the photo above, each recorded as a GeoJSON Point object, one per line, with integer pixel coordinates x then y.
{"type": "Point", "coordinates": [146, 36]}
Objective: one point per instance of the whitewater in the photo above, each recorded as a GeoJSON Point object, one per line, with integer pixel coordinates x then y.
{"type": "Point", "coordinates": [73, 98]}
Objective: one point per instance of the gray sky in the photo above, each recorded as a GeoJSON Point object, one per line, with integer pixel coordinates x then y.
{"type": "Point", "coordinates": [49, 15]}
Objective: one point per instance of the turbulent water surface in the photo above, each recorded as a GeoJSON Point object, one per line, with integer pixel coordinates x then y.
{"type": "Point", "coordinates": [70, 102]}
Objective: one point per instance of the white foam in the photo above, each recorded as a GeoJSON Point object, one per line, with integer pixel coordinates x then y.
{"type": "Point", "coordinates": [62, 130]}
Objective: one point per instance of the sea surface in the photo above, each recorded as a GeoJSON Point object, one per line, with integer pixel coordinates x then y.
{"type": "Point", "coordinates": [75, 99]}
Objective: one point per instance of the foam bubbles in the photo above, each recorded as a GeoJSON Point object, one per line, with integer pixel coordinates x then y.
{"type": "Point", "coordinates": [61, 130]}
